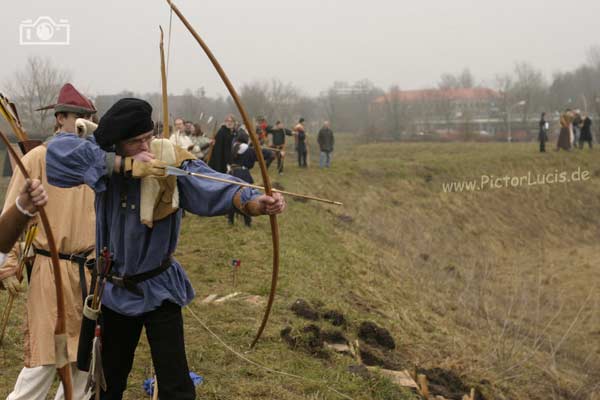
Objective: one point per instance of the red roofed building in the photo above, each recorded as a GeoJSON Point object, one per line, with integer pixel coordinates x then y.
{"type": "Point", "coordinates": [457, 95]}
{"type": "Point", "coordinates": [439, 111]}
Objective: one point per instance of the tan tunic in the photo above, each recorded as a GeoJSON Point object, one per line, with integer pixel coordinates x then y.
{"type": "Point", "coordinates": [565, 137]}
{"type": "Point", "coordinates": [72, 219]}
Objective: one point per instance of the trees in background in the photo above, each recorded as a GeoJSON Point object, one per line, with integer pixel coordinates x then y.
{"type": "Point", "coordinates": [524, 93]}
{"type": "Point", "coordinates": [35, 86]}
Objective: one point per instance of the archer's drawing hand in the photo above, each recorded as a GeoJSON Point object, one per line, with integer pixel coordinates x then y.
{"type": "Point", "coordinates": [143, 164]}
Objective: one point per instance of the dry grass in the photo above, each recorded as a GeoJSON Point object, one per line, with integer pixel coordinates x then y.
{"type": "Point", "coordinates": [499, 286]}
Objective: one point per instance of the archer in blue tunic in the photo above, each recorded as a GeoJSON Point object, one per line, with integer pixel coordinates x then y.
{"type": "Point", "coordinates": [149, 286]}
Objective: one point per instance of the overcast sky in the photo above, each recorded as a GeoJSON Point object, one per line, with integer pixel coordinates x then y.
{"type": "Point", "coordinates": [310, 43]}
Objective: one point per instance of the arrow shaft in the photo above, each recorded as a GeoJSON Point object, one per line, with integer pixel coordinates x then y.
{"type": "Point", "coordinates": [250, 185]}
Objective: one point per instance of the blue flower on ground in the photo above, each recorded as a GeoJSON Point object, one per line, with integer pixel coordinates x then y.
{"type": "Point", "coordinates": [149, 383]}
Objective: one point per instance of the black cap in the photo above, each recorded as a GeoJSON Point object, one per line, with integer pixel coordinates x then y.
{"type": "Point", "coordinates": [127, 118]}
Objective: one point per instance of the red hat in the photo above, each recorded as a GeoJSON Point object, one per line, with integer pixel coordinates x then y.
{"type": "Point", "coordinates": [70, 100]}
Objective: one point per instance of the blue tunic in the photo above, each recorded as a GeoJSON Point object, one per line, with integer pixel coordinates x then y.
{"type": "Point", "coordinates": [71, 161]}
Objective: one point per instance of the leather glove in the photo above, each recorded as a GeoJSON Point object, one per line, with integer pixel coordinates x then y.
{"type": "Point", "coordinates": [12, 284]}
{"type": "Point", "coordinates": [139, 169]}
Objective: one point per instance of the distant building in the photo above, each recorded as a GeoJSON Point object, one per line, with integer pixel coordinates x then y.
{"type": "Point", "coordinates": [480, 102]}
{"type": "Point", "coordinates": [441, 111]}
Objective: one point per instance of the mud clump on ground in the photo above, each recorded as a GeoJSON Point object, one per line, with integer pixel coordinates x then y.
{"type": "Point", "coordinates": [376, 357]}
{"type": "Point", "coordinates": [334, 337]}
{"type": "Point", "coordinates": [447, 384]}
{"type": "Point", "coordinates": [309, 339]}
{"type": "Point", "coordinates": [335, 317]}
{"type": "Point", "coordinates": [375, 335]}
{"type": "Point", "coordinates": [302, 309]}
{"type": "Point", "coordinates": [286, 335]}
{"type": "Point", "coordinates": [313, 337]}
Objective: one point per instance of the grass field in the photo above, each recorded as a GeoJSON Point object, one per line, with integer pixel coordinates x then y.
{"type": "Point", "coordinates": [497, 287]}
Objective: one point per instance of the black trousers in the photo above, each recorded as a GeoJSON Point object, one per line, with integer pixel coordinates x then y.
{"type": "Point", "coordinates": [279, 158]}
{"type": "Point", "coordinates": [164, 330]}
{"type": "Point", "coordinates": [302, 158]}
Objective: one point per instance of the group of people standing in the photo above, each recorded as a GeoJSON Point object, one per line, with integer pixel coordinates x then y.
{"type": "Point", "coordinates": [218, 150]}
{"type": "Point", "coordinates": [191, 137]}
{"type": "Point", "coordinates": [575, 130]}
{"type": "Point", "coordinates": [230, 151]}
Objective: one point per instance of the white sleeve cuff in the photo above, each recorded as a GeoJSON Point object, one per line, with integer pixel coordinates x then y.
{"type": "Point", "coordinates": [22, 210]}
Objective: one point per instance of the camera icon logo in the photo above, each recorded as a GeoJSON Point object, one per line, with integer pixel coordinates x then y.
{"type": "Point", "coordinates": [44, 31]}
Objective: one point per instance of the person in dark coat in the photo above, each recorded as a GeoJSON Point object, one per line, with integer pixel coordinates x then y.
{"type": "Point", "coordinates": [326, 141]}
{"type": "Point", "coordinates": [243, 159]}
{"type": "Point", "coordinates": [576, 124]}
{"type": "Point", "coordinates": [543, 134]}
{"type": "Point", "coordinates": [301, 147]}
{"type": "Point", "coordinates": [221, 151]}
{"type": "Point", "coordinates": [278, 134]}
{"type": "Point", "coordinates": [586, 132]}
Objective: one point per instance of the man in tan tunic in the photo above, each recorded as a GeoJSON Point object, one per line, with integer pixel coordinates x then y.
{"type": "Point", "coordinates": [72, 218]}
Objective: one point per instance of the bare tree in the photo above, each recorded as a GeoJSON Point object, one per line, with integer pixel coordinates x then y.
{"type": "Point", "coordinates": [444, 107]}
{"type": "Point", "coordinates": [464, 80]}
{"type": "Point", "coordinates": [37, 85]}
{"type": "Point", "coordinates": [505, 86]}
{"type": "Point", "coordinates": [329, 106]}
{"type": "Point", "coordinates": [190, 106]}
{"type": "Point", "coordinates": [530, 86]}
{"type": "Point", "coordinates": [395, 110]}
{"type": "Point", "coordinates": [448, 81]}
{"type": "Point", "coordinates": [352, 104]}
{"type": "Point", "coordinates": [255, 97]}
{"type": "Point", "coordinates": [286, 101]}
{"type": "Point", "coordinates": [593, 56]}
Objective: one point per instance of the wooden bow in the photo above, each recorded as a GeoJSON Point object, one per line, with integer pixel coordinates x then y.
{"type": "Point", "coordinates": [8, 110]}
{"type": "Point", "coordinates": [61, 354]}
{"type": "Point", "coordinates": [259, 156]}
{"type": "Point", "coordinates": [165, 96]}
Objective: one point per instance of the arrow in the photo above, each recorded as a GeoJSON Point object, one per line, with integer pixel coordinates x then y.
{"type": "Point", "coordinates": [180, 172]}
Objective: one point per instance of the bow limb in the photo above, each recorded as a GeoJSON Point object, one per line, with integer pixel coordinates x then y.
{"type": "Point", "coordinates": [7, 111]}
{"type": "Point", "coordinates": [61, 355]}
{"type": "Point", "coordinates": [165, 96]}
{"type": "Point", "coordinates": [261, 162]}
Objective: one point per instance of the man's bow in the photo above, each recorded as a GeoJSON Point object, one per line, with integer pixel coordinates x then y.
{"type": "Point", "coordinates": [61, 355]}
{"type": "Point", "coordinates": [261, 162]}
